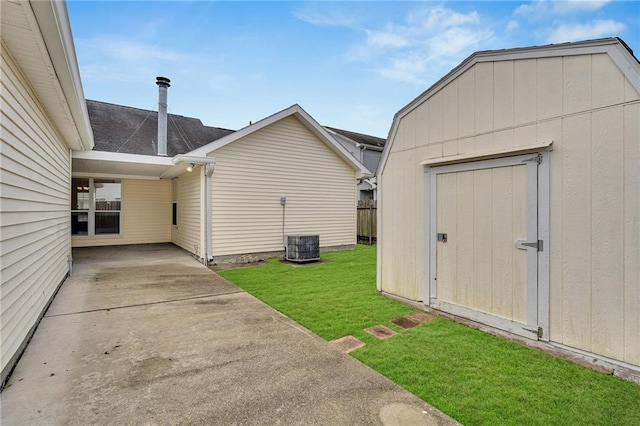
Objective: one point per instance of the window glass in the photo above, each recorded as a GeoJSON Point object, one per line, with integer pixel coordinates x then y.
{"type": "Point", "coordinates": [80, 194]}
{"type": "Point", "coordinates": [80, 223]}
{"type": "Point", "coordinates": [107, 223]}
{"type": "Point", "coordinates": [107, 194]}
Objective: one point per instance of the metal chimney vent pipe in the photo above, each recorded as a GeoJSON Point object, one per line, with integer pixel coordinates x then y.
{"type": "Point", "coordinates": [163, 84]}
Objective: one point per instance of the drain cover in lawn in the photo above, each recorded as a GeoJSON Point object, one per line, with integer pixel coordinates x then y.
{"type": "Point", "coordinates": [405, 322]}
{"type": "Point", "coordinates": [380, 331]}
{"type": "Point", "coordinates": [347, 344]}
{"type": "Point", "coordinates": [421, 317]}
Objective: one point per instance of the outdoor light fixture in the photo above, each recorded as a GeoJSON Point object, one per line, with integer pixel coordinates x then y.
{"type": "Point", "coordinates": [190, 167]}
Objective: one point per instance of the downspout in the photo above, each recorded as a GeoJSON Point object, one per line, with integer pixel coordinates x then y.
{"type": "Point", "coordinates": [208, 228]}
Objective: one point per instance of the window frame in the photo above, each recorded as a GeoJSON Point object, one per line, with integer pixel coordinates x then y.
{"type": "Point", "coordinates": [91, 211]}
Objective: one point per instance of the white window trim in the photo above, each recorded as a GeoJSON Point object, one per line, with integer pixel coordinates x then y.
{"type": "Point", "coordinates": [91, 229]}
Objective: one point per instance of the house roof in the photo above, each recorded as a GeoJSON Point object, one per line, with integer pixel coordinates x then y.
{"type": "Point", "coordinates": [127, 130]}
{"type": "Point", "coordinates": [617, 49]}
{"type": "Point", "coordinates": [38, 36]}
{"type": "Point", "coordinates": [362, 139]}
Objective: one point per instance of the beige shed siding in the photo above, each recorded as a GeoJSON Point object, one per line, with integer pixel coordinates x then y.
{"type": "Point", "coordinates": [146, 215]}
{"type": "Point", "coordinates": [35, 241]}
{"type": "Point", "coordinates": [585, 105]}
{"type": "Point", "coordinates": [283, 159]}
{"type": "Point", "coordinates": [187, 234]}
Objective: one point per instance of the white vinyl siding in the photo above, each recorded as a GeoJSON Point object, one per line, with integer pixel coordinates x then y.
{"type": "Point", "coordinates": [146, 215]}
{"type": "Point", "coordinates": [586, 106]}
{"type": "Point", "coordinates": [35, 235]}
{"type": "Point", "coordinates": [283, 159]}
{"type": "Point", "coordinates": [188, 232]}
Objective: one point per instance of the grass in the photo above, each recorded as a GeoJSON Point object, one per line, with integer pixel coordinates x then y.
{"type": "Point", "coordinates": [472, 376]}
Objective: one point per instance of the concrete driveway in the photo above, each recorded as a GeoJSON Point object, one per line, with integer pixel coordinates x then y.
{"type": "Point", "coordinates": [147, 335]}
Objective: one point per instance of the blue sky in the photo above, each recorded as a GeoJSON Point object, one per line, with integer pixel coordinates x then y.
{"type": "Point", "coordinates": [351, 64]}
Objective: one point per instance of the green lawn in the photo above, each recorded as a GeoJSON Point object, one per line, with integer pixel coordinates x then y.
{"type": "Point", "coordinates": [474, 377]}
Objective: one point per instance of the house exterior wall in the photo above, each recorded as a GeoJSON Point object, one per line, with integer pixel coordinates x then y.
{"type": "Point", "coordinates": [145, 215]}
{"type": "Point", "coordinates": [188, 231]}
{"type": "Point", "coordinates": [35, 235]}
{"type": "Point", "coordinates": [586, 106]}
{"type": "Point", "coordinates": [283, 159]}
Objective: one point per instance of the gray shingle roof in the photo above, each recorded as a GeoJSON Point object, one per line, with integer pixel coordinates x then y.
{"type": "Point", "coordinates": [118, 128]}
{"type": "Point", "coordinates": [372, 141]}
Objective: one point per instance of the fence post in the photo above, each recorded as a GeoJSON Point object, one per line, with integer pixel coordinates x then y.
{"type": "Point", "coordinates": [370, 223]}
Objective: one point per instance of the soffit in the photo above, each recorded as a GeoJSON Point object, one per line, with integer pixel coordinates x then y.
{"type": "Point", "coordinates": [22, 37]}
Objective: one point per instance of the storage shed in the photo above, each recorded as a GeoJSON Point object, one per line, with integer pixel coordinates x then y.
{"type": "Point", "coordinates": [509, 195]}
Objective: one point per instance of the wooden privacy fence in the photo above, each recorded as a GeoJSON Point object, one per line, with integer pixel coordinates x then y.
{"type": "Point", "coordinates": [367, 221]}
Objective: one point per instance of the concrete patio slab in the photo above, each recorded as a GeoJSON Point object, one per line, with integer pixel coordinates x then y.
{"type": "Point", "coordinates": [115, 348]}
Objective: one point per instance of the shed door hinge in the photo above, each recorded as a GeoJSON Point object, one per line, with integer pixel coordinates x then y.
{"type": "Point", "coordinates": [524, 244]}
{"type": "Point", "coordinates": [536, 330]}
{"type": "Point", "coordinates": [535, 159]}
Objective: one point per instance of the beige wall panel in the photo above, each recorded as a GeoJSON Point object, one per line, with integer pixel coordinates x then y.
{"type": "Point", "coordinates": [631, 234]}
{"type": "Point", "coordinates": [446, 257]}
{"type": "Point", "coordinates": [525, 135]}
{"type": "Point", "coordinates": [466, 103]}
{"type": "Point", "coordinates": [449, 148]}
{"type": "Point", "coordinates": [607, 227]}
{"type": "Point", "coordinates": [422, 124]}
{"type": "Point", "coordinates": [630, 92]}
{"type": "Point", "coordinates": [549, 88]}
{"type": "Point", "coordinates": [435, 150]}
{"type": "Point", "coordinates": [35, 169]}
{"type": "Point", "coordinates": [524, 92]}
{"type": "Point", "coordinates": [502, 242]}
{"type": "Point", "coordinates": [482, 225]}
{"type": "Point", "coordinates": [409, 203]}
{"type": "Point", "coordinates": [409, 135]}
{"type": "Point", "coordinates": [189, 230]}
{"type": "Point", "coordinates": [450, 111]}
{"type": "Point", "coordinates": [576, 84]}
{"type": "Point", "coordinates": [484, 143]}
{"type": "Point", "coordinates": [282, 160]}
{"type": "Point", "coordinates": [466, 145]}
{"type": "Point", "coordinates": [576, 235]}
{"type": "Point", "coordinates": [399, 139]}
{"type": "Point", "coordinates": [419, 233]}
{"type": "Point", "coordinates": [503, 139]}
{"type": "Point", "coordinates": [435, 118]}
{"type": "Point", "coordinates": [146, 215]}
{"type": "Point", "coordinates": [503, 86]}
{"type": "Point", "coordinates": [607, 82]}
{"type": "Point", "coordinates": [465, 239]}
{"type": "Point", "coordinates": [484, 97]}
{"type": "Point", "coordinates": [519, 230]}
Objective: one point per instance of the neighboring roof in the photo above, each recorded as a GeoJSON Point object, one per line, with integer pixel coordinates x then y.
{"type": "Point", "coordinates": [38, 36]}
{"type": "Point", "coordinates": [308, 121]}
{"type": "Point", "coordinates": [122, 129]}
{"type": "Point", "coordinates": [362, 139]}
{"type": "Point", "coordinates": [615, 47]}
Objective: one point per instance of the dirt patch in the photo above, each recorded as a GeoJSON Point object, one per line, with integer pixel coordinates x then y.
{"type": "Point", "coordinates": [347, 344]}
{"type": "Point", "coordinates": [380, 331]}
{"type": "Point", "coordinates": [404, 322]}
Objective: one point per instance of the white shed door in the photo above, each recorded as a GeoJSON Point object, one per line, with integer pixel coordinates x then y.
{"type": "Point", "coordinates": [486, 242]}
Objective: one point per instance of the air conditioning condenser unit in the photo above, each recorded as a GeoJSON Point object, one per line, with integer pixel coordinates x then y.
{"type": "Point", "coordinates": [303, 248]}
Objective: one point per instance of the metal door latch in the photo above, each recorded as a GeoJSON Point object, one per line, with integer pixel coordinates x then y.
{"type": "Point", "coordinates": [524, 244]}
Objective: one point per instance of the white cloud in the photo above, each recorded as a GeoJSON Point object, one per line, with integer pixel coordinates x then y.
{"type": "Point", "coordinates": [512, 25]}
{"type": "Point", "coordinates": [590, 30]}
{"type": "Point", "coordinates": [386, 39]}
{"type": "Point", "coordinates": [325, 16]}
{"type": "Point", "coordinates": [542, 9]}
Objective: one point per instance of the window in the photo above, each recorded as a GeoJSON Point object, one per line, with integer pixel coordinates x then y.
{"type": "Point", "coordinates": [95, 206]}
{"type": "Point", "coordinates": [174, 202]}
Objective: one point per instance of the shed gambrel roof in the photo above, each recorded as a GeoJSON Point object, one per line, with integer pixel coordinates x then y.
{"type": "Point", "coordinates": [615, 47]}
{"type": "Point", "coordinates": [127, 130]}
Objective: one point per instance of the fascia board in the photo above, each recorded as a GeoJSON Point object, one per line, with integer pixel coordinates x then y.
{"type": "Point", "coordinates": [121, 157]}
{"type": "Point", "coordinates": [612, 46]}
{"type": "Point", "coordinates": [53, 22]}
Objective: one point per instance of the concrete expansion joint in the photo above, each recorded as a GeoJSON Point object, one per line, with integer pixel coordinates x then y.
{"type": "Point", "coordinates": [160, 302]}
